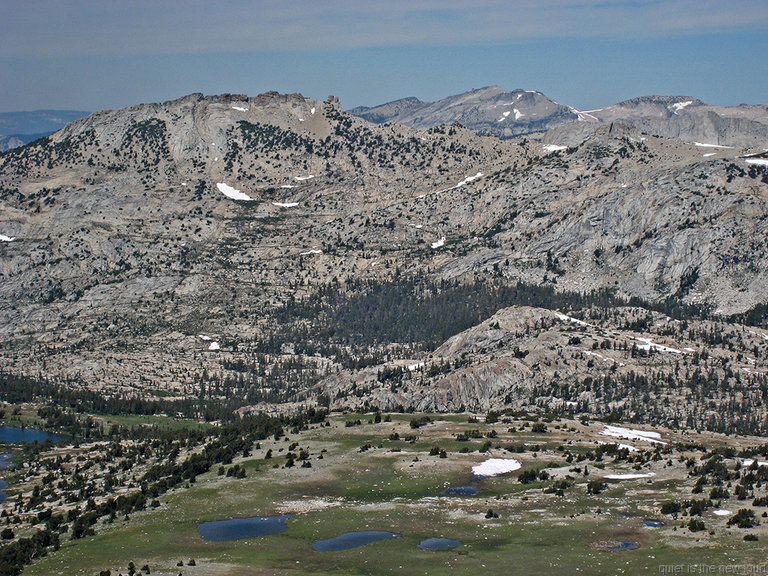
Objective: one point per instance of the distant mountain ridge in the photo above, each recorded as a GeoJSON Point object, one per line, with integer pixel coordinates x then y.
{"type": "Point", "coordinates": [383, 113]}
{"type": "Point", "coordinates": [486, 111]}
{"type": "Point", "coordinates": [493, 111]}
{"type": "Point", "coordinates": [19, 128]}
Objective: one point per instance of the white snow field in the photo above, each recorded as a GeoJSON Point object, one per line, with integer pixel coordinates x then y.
{"type": "Point", "coordinates": [439, 243]}
{"type": "Point", "coordinates": [233, 193]}
{"type": "Point", "coordinates": [496, 466]}
{"type": "Point", "coordinates": [629, 476]}
{"type": "Point", "coordinates": [704, 145]}
{"type": "Point", "coordinates": [565, 318]}
{"type": "Point", "coordinates": [627, 434]}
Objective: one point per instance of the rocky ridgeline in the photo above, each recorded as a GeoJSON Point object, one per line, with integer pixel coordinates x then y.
{"type": "Point", "coordinates": [488, 111]}
{"type": "Point", "coordinates": [132, 233]}
{"type": "Point", "coordinates": [519, 113]}
{"type": "Point", "coordinates": [628, 362]}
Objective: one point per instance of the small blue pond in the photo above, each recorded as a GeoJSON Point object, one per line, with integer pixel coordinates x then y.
{"type": "Point", "coordinates": [352, 540]}
{"type": "Point", "coordinates": [653, 523]}
{"type": "Point", "coordinates": [20, 435]}
{"type": "Point", "coordinates": [432, 544]}
{"type": "Point", "coordinates": [30, 435]}
{"type": "Point", "coordinates": [460, 491]}
{"type": "Point", "coordinates": [5, 461]}
{"type": "Point", "coordinates": [619, 546]}
{"type": "Point", "coordinates": [242, 528]}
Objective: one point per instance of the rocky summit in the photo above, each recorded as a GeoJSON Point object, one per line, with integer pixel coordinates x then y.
{"type": "Point", "coordinates": [488, 111]}
{"type": "Point", "coordinates": [277, 249]}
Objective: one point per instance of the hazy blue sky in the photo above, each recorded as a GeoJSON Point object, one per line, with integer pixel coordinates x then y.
{"type": "Point", "coordinates": [91, 55]}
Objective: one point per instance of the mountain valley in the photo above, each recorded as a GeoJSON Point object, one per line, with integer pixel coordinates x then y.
{"type": "Point", "coordinates": [156, 247]}
{"type": "Point", "coordinates": [420, 328]}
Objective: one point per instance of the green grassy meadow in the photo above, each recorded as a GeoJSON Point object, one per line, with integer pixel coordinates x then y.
{"type": "Point", "coordinates": [396, 486]}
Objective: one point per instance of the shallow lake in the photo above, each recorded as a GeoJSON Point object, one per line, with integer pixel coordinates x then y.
{"type": "Point", "coordinates": [352, 540]}
{"type": "Point", "coordinates": [432, 544]}
{"type": "Point", "coordinates": [653, 523]}
{"type": "Point", "coordinates": [619, 546]}
{"type": "Point", "coordinates": [242, 528]}
{"type": "Point", "coordinates": [5, 461]}
{"type": "Point", "coordinates": [460, 491]}
{"type": "Point", "coordinates": [30, 435]}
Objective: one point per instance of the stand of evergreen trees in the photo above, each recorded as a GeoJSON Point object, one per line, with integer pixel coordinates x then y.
{"type": "Point", "coordinates": [63, 410]}
{"type": "Point", "coordinates": [422, 312]}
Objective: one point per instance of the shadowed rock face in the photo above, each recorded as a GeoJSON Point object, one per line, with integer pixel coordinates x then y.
{"type": "Point", "coordinates": [125, 242]}
{"type": "Point", "coordinates": [390, 111]}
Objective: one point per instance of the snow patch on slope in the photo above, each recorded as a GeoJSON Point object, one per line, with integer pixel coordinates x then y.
{"type": "Point", "coordinates": [749, 461]}
{"type": "Point", "coordinates": [466, 180]}
{"type": "Point", "coordinates": [496, 466]}
{"type": "Point", "coordinates": [565, 318]}
{"type": "Point", "coordinates": [647, 345]}
{"type": "Point", "coordinates": [628, 476]}
{"type": "Point", "coordinates": [704, 145]}
{"type": "Point", "coordinates": [233, 193]}
{"type": "Point", "coordinates": [627, 434]}
{"type": "Point", "coordinates": [680, 105]}
{"type": "Point", "coordinates": [582, 116]}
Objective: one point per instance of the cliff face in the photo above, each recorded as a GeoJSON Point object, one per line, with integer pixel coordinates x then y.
{"type": "Point", "coordinates": [130, 233]}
